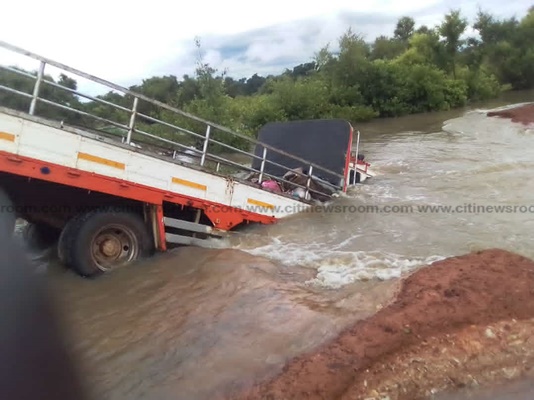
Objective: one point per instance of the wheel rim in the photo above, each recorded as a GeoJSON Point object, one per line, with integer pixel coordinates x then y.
{"type": "Point", "coordinates": [114, 246]}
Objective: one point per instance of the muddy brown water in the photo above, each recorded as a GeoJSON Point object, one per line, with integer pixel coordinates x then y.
{"type": "Point", "coordinates": [197, 323]}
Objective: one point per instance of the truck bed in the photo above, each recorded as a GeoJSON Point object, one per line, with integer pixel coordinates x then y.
{"type": "Point", "coordinates": [70, 148]}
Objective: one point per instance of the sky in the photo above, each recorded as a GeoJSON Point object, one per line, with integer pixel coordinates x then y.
{"type": "Point", "coordinates": [124, 42]}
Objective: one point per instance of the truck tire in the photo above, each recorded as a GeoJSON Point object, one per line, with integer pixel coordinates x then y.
{"type": "Point", "coordinates": [66, 241]}
{"type": "Point", "coordinates": [101, 241]}
{"type": "Point", "coordinates": [38, 236]}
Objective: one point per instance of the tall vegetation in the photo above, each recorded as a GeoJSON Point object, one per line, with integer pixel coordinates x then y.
{"type": "Point", "coordinates": [417, 69]}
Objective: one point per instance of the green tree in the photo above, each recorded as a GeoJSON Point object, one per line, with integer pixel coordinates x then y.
{"type": "Point", "coordinates": [302, 70]}
{"type": "Point", "coordinates": [48, 91]}
{"type": "Point", "coordinates": [425, 49]}
{"type": "Point", "coordinates": [451, 29]}
{"type": "Point", "coordinates": [301, 99]}
{"type": "Point", "coordinates": [323, 58]}
{"type": "Point", "coordinates": [188, 91]}
{"type": "Point", "coordinates": [234, 87]}
{"type": "Point", "coordinates": [385, 48]}
{"type": "Point", "coordinates": [404, 29]}
{"type": "Point", "coordinates": [506, 48]}
{"type": "Point", "coordinates": [350, 66]}
{"type": "Point", "coordinates": [254, 84]}
{"type": "Point", "coordinates": [424, 30]}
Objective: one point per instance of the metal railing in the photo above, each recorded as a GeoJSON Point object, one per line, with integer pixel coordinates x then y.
{"type": "Point", "coordinates": [133, 130]}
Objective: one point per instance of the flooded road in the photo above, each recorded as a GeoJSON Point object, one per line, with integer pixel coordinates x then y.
{"type": "Point", "coordinates": [199, 323]}
{"type": "Point", "coordinates": [461, 159]}
{"type": "Point", "coordinates": [194, 323]}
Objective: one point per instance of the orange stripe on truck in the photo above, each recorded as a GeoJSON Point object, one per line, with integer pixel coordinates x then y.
{"type": "Point", "coordinates": [7, 136]}
{"type": "Point", "coordinates": [31, 168]}
{"type": "Point", "coordinates": [191, 184]}
{"type": "Point", "coordinates": [100, 160]}
{"type": "Point", "coordinates": [260, 203]}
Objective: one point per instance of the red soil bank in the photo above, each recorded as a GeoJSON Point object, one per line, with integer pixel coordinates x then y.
{"type": "Point", "coordinates": [523, 114]}
{"type": "Point", "coordinates": [457, 296]}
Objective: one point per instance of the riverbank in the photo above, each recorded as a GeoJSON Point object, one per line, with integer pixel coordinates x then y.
{"type": "Point", "coordinates": [460, 322]}
{"type": "Point", "coordinates": [522, 114]}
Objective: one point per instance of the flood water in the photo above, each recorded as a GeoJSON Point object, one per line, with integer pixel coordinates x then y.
{"type": "Point", "coordinates": [197, 323]}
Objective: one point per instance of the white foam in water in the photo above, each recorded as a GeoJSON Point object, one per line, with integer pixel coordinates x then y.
{"type": "Point", "coordinates": [337, 268]}
{"type": "Point", "coordinates": [366, 266]}
{"type": "Point", "coordinates": [378, 193]}
{"type": "Point", "coordinates": [217, 243]}
{"type": "Point", "coordinates": [502, 108]}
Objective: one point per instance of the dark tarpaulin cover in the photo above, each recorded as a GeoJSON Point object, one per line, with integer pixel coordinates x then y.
{"type": "Point", "coordinates": [323, 142]}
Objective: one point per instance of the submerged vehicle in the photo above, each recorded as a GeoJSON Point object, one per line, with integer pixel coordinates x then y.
{"type": "Point", "coordinates": [108, 197]}
{"type": "Point", "coordinates": [328, 143]}
{"type": "Point", "coordinates": [359, 169]}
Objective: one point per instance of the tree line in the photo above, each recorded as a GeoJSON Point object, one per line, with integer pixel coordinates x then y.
{"type": "Point", "coordinates": [414, 70]}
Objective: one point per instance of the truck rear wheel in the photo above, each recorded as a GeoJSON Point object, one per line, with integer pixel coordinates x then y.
{"type": "Point", "coordinates": [101, 241]}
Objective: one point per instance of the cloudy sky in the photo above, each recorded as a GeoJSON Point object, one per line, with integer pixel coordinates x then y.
{"type": "Point", "coordinates": [126, 41]}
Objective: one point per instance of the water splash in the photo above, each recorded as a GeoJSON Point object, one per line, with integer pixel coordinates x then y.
{"type": "Point", "coordinates": [337, 267]}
